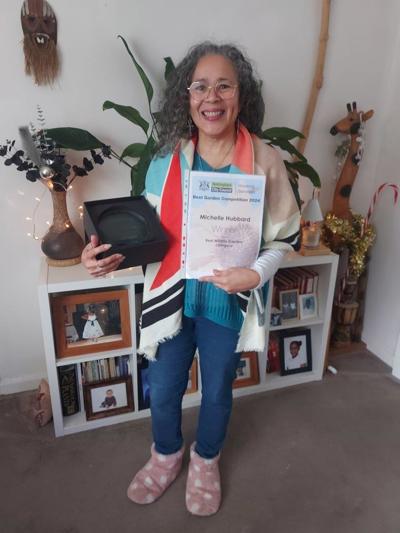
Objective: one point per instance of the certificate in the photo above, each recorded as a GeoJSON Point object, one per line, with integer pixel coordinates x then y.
{"type": "Point", "coordinates": [222, 223]}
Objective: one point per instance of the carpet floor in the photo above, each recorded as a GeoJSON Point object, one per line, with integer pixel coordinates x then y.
{"type": "Point", "coordinates": [322, 457]}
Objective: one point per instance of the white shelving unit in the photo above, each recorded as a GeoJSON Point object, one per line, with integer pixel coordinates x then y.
{"type": "Point", "coordinates": [326, 266]}
{"type": "Point", "coordinates": [65, 280]}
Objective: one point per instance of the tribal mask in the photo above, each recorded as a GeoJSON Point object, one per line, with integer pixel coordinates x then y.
{"type": "Point", "coordinates": [39, 24]}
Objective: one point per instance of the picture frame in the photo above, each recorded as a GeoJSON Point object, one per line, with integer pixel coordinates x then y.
{"type": "Point", "coordinates": [295, 351]}
{"type": "Point", "coordinates": [192, 385]}
{"type": "Point", "coordinates": [308, 306]}
{"type": "Point", "coordinates": [289, 304]}
{"type": "Point", "coordinates": [90, 322]}
{"type": "Point", "coordinates": [108, 398]}
{"type": "Point", "coordinates": [247, 371]}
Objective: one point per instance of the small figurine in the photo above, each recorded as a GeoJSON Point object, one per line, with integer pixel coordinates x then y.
{"type": "Point", "coordinates": [352, 124]}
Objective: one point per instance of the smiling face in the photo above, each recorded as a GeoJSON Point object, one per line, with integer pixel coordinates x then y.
{"type": "Point", "coordinates": [294, 349]}
{"type": "Point", "coordinates": [215, 117]}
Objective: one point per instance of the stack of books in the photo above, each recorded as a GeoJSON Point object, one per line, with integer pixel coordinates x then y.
{"type": "Point", "coordinates": [303, 279]}
{"type": "Point", "coordinates": [103, 369]}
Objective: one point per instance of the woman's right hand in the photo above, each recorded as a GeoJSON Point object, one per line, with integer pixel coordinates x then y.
{"type": "Point", "coordinates": [101, 267]}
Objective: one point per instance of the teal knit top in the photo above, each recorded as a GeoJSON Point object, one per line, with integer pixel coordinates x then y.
{"type": "Point", "coordinates": [203, 299]}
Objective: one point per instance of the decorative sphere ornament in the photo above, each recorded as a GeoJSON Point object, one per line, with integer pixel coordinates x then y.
{"type": "Point", "coordinates": [46, 172]}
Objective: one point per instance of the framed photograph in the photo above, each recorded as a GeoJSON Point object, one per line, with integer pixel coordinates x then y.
{"type": "Point", "coordinates": [288, 303]}
{"type": "Point", "coordinates": [308, 304]}
{"type": "Point", "coordinates": [247, 370]}
{"type": "Point", "coordinates": [192, 385]}
{"type": "Point", "coordinates": [295, 351]}
{"type": "Point", "coordinates": [108, 398]}
{"type": "Point", "coordinates": [91, 322]}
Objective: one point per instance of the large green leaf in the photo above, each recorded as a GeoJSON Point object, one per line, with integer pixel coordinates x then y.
{"type": "Point", "coordinates": [133, 150]}
{"type": "Point", "coordinates": [129, 113]}
{"type": "Point", "coordinates": [288, 147]}
{"type": "Point", "coordinates": [139, 171]}
{"type": "Point", "coordinates": [146, 82]}
{"type": "Point", "coordinates": [138, 175]}
{"type": "Point", "coordinates": [169, 67]}
{"type": "Point", "coordinates": [137, 182]}
{"type": "Point", "coordinates": [294, 182]}
{"type": "Point", "coordinates": [281, 133]}
{"type": "Point", "coordinates": [304, 169]}
{"type": "Point", "coordinates": [156, 116]}
{"type": "Point", "coordinates": [74, 138]}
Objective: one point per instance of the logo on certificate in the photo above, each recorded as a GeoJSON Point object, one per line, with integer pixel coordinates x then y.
{"type": "Point", "coordinates": [204, 185]}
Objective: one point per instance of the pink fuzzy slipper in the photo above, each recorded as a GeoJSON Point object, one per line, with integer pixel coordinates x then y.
{"type": "Point", "coordinates": [155, 477]}
{"type": "Point", "coordinates": [203, 487]}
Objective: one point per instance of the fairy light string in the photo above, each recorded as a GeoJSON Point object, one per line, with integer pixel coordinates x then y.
{"type": "Point", "coordinates": [42, 159]}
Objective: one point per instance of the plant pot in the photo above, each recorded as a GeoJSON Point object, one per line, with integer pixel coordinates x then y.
{"type": "Point", "coordinates": [344, 316]}
{"type": "Point", "coordinates": [62, 245]}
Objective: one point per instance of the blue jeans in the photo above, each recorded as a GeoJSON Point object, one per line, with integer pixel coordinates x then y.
{"type": "Point", "coordinates": [168, 378]}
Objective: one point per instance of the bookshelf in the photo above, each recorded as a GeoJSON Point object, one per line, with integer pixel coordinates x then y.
{"type": "Point", "coordinates": [75, 279]}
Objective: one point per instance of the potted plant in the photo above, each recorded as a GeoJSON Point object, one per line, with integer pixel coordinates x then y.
{"type": "Point", "coordinates": [42, 159]}
{"type": "Point", "coordinates": [143, 152]}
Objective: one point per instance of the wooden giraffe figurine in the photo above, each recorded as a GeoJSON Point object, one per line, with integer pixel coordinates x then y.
{"type": "Point", "coordinates": [352, 125]}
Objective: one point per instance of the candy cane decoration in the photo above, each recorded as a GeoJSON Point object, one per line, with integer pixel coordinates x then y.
{"type": "Point", "coordinates": [378, 192]}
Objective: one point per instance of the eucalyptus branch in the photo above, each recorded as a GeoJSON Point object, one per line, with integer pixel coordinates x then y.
{"type": "Point", "coordinates": [71, 180]}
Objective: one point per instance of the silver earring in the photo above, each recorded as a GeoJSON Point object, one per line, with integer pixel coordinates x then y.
{"type": "Point", "coordinates": [190, 126]}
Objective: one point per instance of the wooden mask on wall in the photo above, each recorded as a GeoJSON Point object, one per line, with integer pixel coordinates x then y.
{"type": "Point", "coordinates": [39, 24]}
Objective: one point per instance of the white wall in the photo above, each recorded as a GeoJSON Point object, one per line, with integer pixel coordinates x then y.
{"type": "Point", "coordinates": [382, 318]}
{"type": "Point", "coordinates": [279, 35]}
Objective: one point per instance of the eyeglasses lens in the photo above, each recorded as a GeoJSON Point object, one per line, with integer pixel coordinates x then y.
{"type": "Point", "coordinates": [200, 91]}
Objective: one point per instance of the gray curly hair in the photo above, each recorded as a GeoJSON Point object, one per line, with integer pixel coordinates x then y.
{"type": "Point", "coordinates": [173, 121]}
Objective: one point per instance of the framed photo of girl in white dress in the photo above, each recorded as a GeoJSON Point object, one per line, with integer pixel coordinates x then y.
{"type": "Point", "coordinates": [91, 322]}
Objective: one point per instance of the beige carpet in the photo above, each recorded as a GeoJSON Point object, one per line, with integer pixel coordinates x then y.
{"type": "Point", "coordinates": [318, 458]}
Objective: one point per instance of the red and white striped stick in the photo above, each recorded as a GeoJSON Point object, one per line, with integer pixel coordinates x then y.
{"type": "Point", "coordinates": [378, 192]}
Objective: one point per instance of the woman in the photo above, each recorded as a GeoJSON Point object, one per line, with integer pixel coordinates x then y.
{"type": "Point", "coordinates": [212, 113]}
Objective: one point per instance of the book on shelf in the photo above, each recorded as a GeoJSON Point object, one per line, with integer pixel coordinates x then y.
{"type": "Point", "coordinates": [69, 396]}
{"type": "Point", "coordinates": [123, 365]}
{"type": "Point", "coordinates": [104, 369]}
{"type": "Point", "coordinates": [304, 279]}
{"type": "Point", "coordinates": [113, 371]}
{"type": "Point", "coordinates": [273, 360]}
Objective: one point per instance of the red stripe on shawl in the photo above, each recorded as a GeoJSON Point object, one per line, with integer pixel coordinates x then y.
{"type": "Point", "coordinates": [171, 203]}
{"type": "Point", "coordinates": [243, 157]}
{"type": "Point", "coordinates": [171, 219]}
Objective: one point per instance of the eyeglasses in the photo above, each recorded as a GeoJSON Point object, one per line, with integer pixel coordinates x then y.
{"type": "Point", "coordinates": [199, 91]}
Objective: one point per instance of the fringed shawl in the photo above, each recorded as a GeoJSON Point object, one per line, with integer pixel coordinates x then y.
{"type": "Point", "coordinates": [164, 284]}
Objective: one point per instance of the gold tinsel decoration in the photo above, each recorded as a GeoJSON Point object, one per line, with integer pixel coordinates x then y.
{"type": "Point", "coordinates": [356, 235]}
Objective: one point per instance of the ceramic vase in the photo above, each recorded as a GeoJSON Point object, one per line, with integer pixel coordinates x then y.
{"type": "Point", "coordinates": [62, 245]}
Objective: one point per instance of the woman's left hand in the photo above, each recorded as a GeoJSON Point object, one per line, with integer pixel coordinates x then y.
{"type": "Point", "coordinates": [233, 280]}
